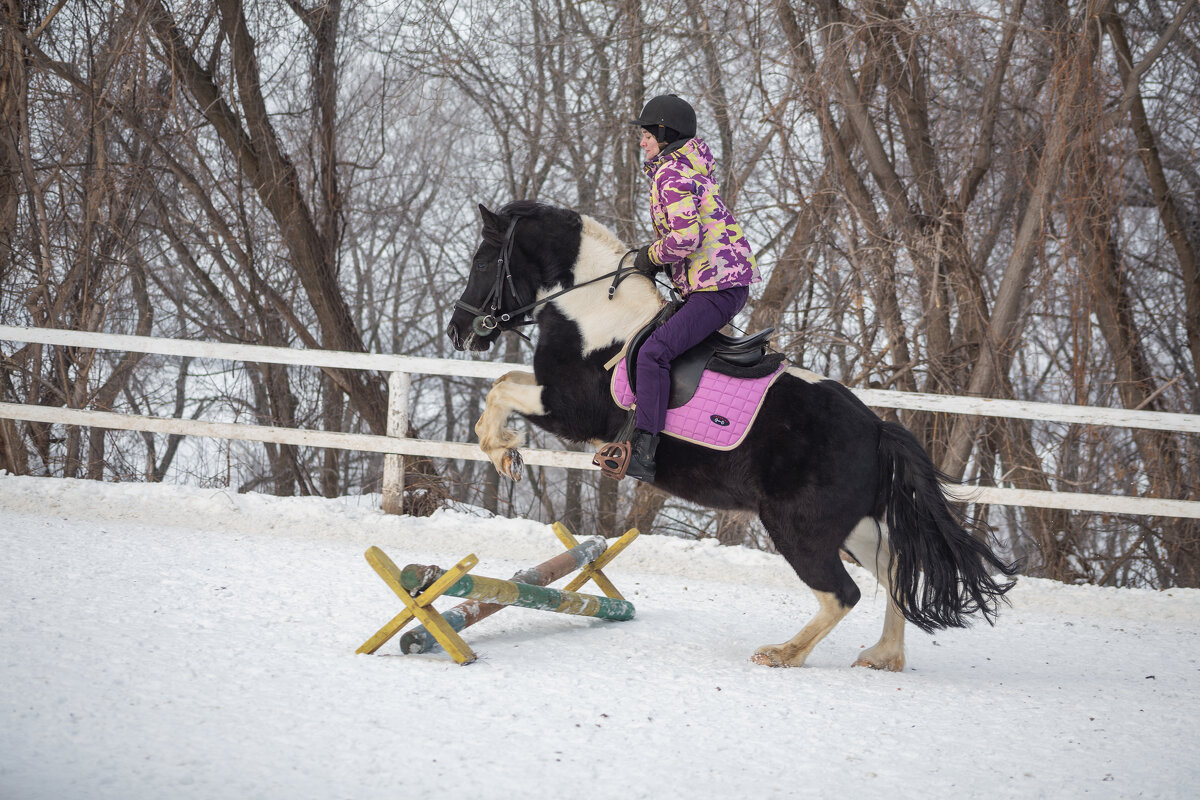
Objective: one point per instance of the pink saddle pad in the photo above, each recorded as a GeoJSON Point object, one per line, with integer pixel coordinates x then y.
{"type": "Point", "coordinates": [720, 413]}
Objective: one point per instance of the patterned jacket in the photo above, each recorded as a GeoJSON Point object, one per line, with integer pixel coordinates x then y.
{"type": "Point", "coordinates": [700, 243]}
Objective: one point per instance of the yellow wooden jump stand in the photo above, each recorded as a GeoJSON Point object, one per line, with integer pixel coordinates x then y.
{"type": "Point", "coordinates": [421, 607]}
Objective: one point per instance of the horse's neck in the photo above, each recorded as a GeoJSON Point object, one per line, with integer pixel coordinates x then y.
{"type": "Point", "coordinates": [602, 321]}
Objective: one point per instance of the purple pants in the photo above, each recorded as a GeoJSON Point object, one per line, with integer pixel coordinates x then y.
{"type": "Point", "coordinates": [701, 314]}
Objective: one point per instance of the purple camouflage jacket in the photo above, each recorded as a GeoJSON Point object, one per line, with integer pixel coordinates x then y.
{"type": "Point", "coordinates": [700, 242]}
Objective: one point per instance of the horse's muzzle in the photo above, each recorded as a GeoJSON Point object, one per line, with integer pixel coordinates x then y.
{"type": "Point", "coordinates": [471, 342]}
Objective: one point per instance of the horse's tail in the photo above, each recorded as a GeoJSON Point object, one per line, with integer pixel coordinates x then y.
{"type": "Point", "coordinates": [940, 561]}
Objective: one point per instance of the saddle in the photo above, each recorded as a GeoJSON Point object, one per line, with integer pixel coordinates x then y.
{"type": "Point", "coordinates": [717, 387]}
{"type": "Point", "coordinates": [736, 356]}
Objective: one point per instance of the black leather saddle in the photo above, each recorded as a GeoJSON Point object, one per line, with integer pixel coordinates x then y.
{"type": "Point", "coordinates": [736, 356]}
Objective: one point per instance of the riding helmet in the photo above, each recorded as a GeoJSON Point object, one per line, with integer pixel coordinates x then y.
{"type": "Point", "coordinates": [673, 116]}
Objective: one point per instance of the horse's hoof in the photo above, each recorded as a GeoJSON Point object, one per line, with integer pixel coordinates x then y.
{"type": "Point", "coordinates": [887, 664]}
{"type": "Point", "coordinates": [769, 656]}
{"type": "Point", "coordinates": [512, 464]}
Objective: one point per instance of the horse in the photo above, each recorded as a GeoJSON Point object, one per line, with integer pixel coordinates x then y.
{"type": "Point", "coordinates": [824, 473]}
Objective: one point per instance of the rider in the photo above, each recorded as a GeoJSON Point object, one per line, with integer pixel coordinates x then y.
{"type": "Point", "coordinates": [701, 248]}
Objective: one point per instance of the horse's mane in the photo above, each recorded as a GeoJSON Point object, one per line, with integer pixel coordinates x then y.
{"type": "Point", "coordinates": [591, 228]}
{"type": "Point", "coordinates": [523, 208]}
{"type": "Point", "coordinates": [595, 230]}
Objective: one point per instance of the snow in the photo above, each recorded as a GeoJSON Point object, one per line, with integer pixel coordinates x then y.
{"type": "Point", "coordinates": [164, 641]}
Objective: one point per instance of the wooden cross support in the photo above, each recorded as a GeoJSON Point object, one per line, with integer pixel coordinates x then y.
{"type": "Point", "coordinates": [420, 607]}
{"type": "Point", "coordinates": [591, 572]}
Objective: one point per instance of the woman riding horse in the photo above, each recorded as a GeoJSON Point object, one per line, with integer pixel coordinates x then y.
{"type": "Point", "coordinates": [700, 246]}
{"type": "Point", "coordinates": [824, 473]}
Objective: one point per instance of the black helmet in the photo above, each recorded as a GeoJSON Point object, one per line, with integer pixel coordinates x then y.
{"type": "Point", "coordinates": [669, 111]}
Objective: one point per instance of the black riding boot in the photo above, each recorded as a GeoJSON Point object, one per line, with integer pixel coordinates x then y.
{"type": "Point", "coordinates": [641, 460]}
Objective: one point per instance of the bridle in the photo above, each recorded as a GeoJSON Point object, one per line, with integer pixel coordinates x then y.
{"type": "Point", "coordinates": [488, 316]}
{"type": "Point", "coordinates": [491, 315]}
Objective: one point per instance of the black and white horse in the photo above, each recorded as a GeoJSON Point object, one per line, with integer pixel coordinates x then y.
{"type": "Point", "coordinates": [822, 471]}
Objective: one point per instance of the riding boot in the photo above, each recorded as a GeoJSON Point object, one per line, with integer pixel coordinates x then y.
{"type": "Point", "coordinates": [641, 460]}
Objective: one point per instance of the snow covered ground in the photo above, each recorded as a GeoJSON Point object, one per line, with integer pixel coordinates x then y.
{"type": "Point", "coordinates": [158, 641]}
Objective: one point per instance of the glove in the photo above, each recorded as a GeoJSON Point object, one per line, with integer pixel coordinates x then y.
{"type": "Point", "coordinates": [643, 264]}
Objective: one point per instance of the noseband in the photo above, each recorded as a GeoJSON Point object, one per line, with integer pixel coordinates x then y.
{"type": "Point", "coordinates": [490, 315]}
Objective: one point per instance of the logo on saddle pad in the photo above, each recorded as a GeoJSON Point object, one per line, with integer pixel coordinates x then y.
{"type": "Point", "coordinates": [717, 416]}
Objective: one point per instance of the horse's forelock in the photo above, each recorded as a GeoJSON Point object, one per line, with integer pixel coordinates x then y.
{"type": "Point", "coordinates": [492, 236]}
{"type": "Point", "coordinates": [494, 233]}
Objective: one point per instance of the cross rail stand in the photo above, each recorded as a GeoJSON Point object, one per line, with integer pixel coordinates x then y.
{"type": "Point", "coordinates": [419, 585]}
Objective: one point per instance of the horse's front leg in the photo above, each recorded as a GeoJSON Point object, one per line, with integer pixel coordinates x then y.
{"type": "Point", "coordinates": [513, 391]}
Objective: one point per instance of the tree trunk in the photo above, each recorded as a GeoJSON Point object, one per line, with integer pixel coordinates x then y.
{"type": "Point", "coordinates": [12, 86]}
{"type": "Point", "coordinates": [1162, 457]}
{"type": "Point", "coordinates": [647, 502]}
{"type": "Point", "coordinates": [732, 527]}
{"type": "Point", "coordinates": [625, 158]}
{"type": "Point", "coordinates": [607, 494]}
{"type": "Point", "coordinates": [118, 380]}
{"type": "Point", "coordinates": [710, 46]}
{"type": "Point", "coordinates": [269, 170]}
{"type": "Point", "coordinates": [1164, 200]}
{"type": "Point", "coordinates": [1069, 112]}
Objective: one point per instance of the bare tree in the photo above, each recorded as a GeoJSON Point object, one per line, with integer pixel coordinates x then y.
{"type": "Point", "coordinates": [990, 200]}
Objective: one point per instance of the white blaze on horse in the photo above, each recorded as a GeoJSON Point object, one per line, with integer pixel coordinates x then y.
{"type": "Point", "coordinates": [822, 471]}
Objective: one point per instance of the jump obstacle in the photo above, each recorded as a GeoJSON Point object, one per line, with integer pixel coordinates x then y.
{"type": "Point", "coordinates": [418, 585]}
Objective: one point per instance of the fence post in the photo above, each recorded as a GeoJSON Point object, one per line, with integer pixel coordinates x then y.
{"type": "Point", "coordinates": [397, 425]}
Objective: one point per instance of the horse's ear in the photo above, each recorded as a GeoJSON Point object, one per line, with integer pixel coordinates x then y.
{"type": "Point", "coordinates": [490, 220]}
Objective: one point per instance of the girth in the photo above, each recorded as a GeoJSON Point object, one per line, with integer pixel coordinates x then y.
{"type": "Point", "coordinates": [737, 356]}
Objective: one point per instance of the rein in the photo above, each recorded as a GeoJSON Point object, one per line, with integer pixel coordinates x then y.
{"type": "Point", "coordinates": [489, 315]}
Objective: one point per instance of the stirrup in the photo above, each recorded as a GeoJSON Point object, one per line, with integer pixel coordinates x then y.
{"type": "Point", "coordinates": [613, 459]}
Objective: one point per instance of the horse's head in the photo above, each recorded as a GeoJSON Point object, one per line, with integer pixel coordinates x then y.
{"type": "Point", "coordinates": [516, 258]}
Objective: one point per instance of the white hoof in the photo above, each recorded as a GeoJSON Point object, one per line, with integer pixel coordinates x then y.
{"type": "Point", "coordinates": [878, 658]}
{"type": "Point", "coordinates": [775, 655]}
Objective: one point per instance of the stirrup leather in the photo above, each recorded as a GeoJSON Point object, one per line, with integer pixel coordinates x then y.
{"type": "Point", "coordinates": [613, 459]}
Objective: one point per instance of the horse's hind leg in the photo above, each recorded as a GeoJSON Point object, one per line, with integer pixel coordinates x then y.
{"type": "Point", "coordinates": [513, 391]}
{"type": "Point", "coordinates": [868, 544]}
{"type": "Point", "coordinates": [817, 562]}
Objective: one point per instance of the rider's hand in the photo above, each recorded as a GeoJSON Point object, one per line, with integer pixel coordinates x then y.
{"type": "Point", "coordinates": [643, 264]}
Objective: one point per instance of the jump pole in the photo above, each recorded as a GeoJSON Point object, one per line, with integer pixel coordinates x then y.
{"type": "Point", "coordinates": [416, 577]}
{"type": "Point", "coordinates": [467, 614]}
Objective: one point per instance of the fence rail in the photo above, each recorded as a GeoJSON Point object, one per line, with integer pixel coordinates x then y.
{"type": "Point", "coordinates": [395, 445]}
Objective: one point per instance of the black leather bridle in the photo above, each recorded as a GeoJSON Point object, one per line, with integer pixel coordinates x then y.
{"type": "Point", "coordinates": [490, 314]}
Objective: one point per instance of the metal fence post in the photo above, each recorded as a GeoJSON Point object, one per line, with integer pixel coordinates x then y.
{"type": "Point", "coordinates": [397, 425]}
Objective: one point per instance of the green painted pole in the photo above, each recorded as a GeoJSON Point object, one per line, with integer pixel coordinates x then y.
{"type": "Point", "coordinates": [468, 613]}
{"type": "Point", "coordinates": [415, 577]}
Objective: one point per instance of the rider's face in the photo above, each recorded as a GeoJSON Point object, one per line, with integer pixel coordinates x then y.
{"type": "Point", "coordinates": [649, 144]}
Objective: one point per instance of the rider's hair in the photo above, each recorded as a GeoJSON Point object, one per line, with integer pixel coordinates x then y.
{"type": "Point", "coordinates": [664, 135]}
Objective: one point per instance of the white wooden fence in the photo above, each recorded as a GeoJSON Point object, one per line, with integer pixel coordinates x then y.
{"type": "Point", "coordinates": [395, 445]}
